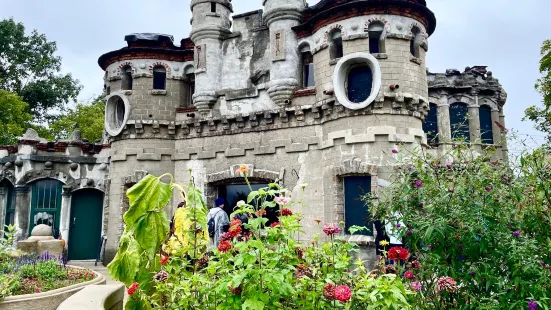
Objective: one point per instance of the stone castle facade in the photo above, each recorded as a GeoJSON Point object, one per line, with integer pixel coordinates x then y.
{"type": "Point", "coordinates": [318, 95]}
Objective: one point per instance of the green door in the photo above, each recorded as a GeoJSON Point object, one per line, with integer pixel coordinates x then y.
{"type": "Point", "coordinates": [85, 230]}
{"type": "Point", "coordinates": [46, 204]}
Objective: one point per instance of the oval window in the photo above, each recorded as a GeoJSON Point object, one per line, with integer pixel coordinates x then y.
{"type": "Point", "coordinates": [116, 114]}
{"type": "Point", "coordinates": [119, 112]}
{"type": "Point", "coordinates": [360, 83]}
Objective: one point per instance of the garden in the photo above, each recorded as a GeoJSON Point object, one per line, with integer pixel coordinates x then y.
{"type": "Point", "coordinates": [23, 274]}
{"type": "Point", "coordinates": [476, 236]}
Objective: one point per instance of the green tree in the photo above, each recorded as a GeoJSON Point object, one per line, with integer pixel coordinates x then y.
{"type": "Point", "coordinates": [13, 118]}
{"type": "Point", "coordinates": [88, 118]}
{"type": "Point", "coordinates": [542, 116]}
{"type": "Point", "coordinates": [29, 68]}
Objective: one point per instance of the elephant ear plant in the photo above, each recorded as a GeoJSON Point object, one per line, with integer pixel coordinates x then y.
{"type": "Point", "coordinates": [258, 264]}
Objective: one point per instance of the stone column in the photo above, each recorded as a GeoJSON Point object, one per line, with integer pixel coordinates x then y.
{"type": "Point", "coordinates": [22, 210]}
{"type": "Point", "coordinates": [503, 137]}
{"type": "Point", "coordinates": [444, 128]}
{"type": "Point", "coordinates": [474, 124]}
{"type": "Point", "coordinates": [65, 220]}
{"type": "Point", "coordinates": [3, 202]}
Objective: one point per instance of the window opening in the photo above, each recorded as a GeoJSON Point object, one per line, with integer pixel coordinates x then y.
{"type": "Point", "coordinates": [336, 49]}
{"type": "Point", "coordinates": [356, 212]}
{"type": "Point", "coordinates": [159, 77]}
{"type": "Point", "coordinates": [127, 78]}
{"type": "Point", "coordinates": [459, 122]}
{"type": "Point", "coordinates": [430, 125]}
{"type": "Point", "coordinates": [359, 84]}
{"type": "Point", "coordinates": [486, 128]}
{"type": "Point", "coordinates": [308, 70]}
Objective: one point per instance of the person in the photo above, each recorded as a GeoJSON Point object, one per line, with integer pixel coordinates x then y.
{"type": "Point", "coordinates": [221, 221]}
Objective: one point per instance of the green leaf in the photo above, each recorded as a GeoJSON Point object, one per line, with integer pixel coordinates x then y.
{"type": "Point", "coordinates": [147, 195]}
{"type": "Point", "coordinates": [152, 230]}
{"type": "Point", "coordinates": [253, 304]}
{"type": "Point", "coordinates": [125, 264]}
{"type": "Point", "coordinates": [251, 196]}
{"type": "Point", "coordinates": [137, 304]}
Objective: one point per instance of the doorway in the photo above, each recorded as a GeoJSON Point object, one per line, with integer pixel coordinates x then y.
{"type": "Point", "coordinates": [85, 225]}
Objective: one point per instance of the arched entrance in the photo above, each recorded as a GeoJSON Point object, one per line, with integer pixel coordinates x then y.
{"type": "Point", "coordinates": [85, 224]}
{"type": "Point", "coordinates": [46, 204]}
{"type": "Point", "coordinates": [9, 202]}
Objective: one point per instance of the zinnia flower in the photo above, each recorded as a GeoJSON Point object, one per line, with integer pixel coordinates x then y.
{"type": "Point", "coordinates": [329, 291]}
{"type": "Point", "coordinates": [224, 246]}
{"type": "Point", "coordinates": [317, 221]}
{"type": "Point", "coordinates": [164, 259]}
{"type": "Point", "coordinates": [416, 286]}
{"type": "Point", "coordinates": [516, 234]}
{"type": "Point", "coordinates": [384, 243]}
{"type": "Point", "coordinates": [394, 151]}
{"type": "Point", "coordinates": [409, 275]}
{"type": "Point", "coordinates": [234, 231]}
{"type": "Point", "coordinates": [446, 284]}
{"type": "Point", "coordinates": [415, 264]}
{"type": "Point", "coordinates": [275, 224]}
{"type": "Point", "coordinates": [343, 293]}
{"type": "Point", "coordinates": [286, 212]}
{"type": "Point", "coordinates": [532, 305]}
{"type": "Point", "coordinates": [331, 229]}
{"type": "Point", "coordinates": [398, 253]}
{"type": "Point", "coordinates": [418, 183]}
{"type": "Point", "coordinates": [282, 200]}
{"type": "Point", "coordinates": [260, 213]}
{"type": "Point", "coordinates": [242, 169]}
{"type": "Point", "coordinates": [132, 289]}
{"type": "Point", "coordinates": [236, 222]}
{"type": "Point", "coordinates": [488, 188]}
{"type": "Point", "coordinates": [161, 276]}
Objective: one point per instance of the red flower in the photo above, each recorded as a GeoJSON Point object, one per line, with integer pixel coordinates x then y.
{"type": "Point", "coordinates": [224, 246]}
{"type": "Point", "coordinates": [343, 293]}
{"type": "Point", "coordinates": [415, 264]}
{"type": "Point", "coordinates": [275, 224]}
{"type": "Point", "coordinates": [235, 222]}
{"type": "Point", "coordinates": [132, 289]}
{"type": "Point", "coordinates": [164, 259]}
{"type": "Point", "coordinates": [234, 231]}
{"type": "Point", "coordinates": [398, 253]}
{"type": "Point", "coordinates": [286, 212]}
{"type": "Point", "coordinates": [409, 275]}
{"type": "Point", "coordinates": [329, 291]}
{"type": "Point", "coordinates": [260, 213]}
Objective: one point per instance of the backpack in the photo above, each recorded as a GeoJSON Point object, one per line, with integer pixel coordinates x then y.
{"type": "Point", "coordinates": [212, 226]}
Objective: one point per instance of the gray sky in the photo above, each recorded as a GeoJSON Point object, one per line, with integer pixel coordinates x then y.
{"type": "Point", "coordinates": [505, 35]}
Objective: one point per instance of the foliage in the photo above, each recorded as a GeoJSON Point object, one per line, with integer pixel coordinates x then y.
{"type": "Point", "coordinates": [29, 68]}
{"type": "Point", "coordinates": [88, 118]}
{"type": "Point", "coordinates": [13, 117]}
{"type": "Point", "coordinates": [254, 267]}
{"type": "Point", "coordinates": [485, 225]}
{"type": "Point", "coordinates": [542, 116]}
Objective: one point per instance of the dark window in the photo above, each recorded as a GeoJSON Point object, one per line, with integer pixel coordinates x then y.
{"type": "Point", "coordinates": [360, 80]}
{"type": "Point", "coordinates": [119, 113]}
{"type": "Point", "coordinates": [335, 45]}
{"type": "Point", "coordinates": [190, 84]}
{"type": "Point", "coordinates": [308, 70]}
{"type": "Point", "coordinates": [45, 203]}
{"type": "Point", "coordinates": [126, 78]}
{"type": "Point", "coordinates": [430, 126]}
{"type": "Point", "coordinates": [159, 77]}
{"type": "Point", "coordinates": [213, 7]}
{"type": "Point", "coordinates": [374, 45]}
{"type": "Point", "coordinates": [376, 40]}
{"type": "Point", "coordinates": [459, 122]}
{"type": "Point", "coordinates": [486, 132]}
{"type": "Point", "coordinates": [10, 202]}
{"type": "Point", "coordinates": [236, 192]}
{"type": "Point", "coordinates": [356, 212]}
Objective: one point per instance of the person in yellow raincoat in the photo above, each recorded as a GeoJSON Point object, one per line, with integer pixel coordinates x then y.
{"type": "Point", "coordinates": [180, 233]}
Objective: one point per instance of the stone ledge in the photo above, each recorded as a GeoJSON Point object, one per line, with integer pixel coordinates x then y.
{"type": "Point", "coordinates": [95, 297]}
{"type": "Point", "coordinates": [158, 92]}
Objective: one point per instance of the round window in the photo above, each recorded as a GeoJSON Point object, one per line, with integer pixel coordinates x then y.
{"type": "Point", "coordinates": [357, 80]}
{"type": "Point", "coordinates": [116, 114]}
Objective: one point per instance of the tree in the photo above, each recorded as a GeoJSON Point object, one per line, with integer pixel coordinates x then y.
{"type": "Point", "coordinates": [13, 118]}
{"type": "Point", "coordinates": [29, 68]}
{"type": "Point", "coordinates": [542, 116]}
{"type": "Point", "coordinates": [88, 118]}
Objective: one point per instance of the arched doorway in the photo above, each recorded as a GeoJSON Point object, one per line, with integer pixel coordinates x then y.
{"type": "Point", "coordinates": [46, 204]}
{"type": "Point", "coordinates": [9, 202]}
{"type": "Point", "coordinates": [85, 224]}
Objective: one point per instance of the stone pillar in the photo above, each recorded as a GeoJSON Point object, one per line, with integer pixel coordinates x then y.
{"type": "Point", "coordinates": [22, 210]}
{"type": "Point", "coordinates": [503, 137]}
{"type": "Point", "coordinates": [474, 124]}
{"type": "Point", "coordinates": [3, 203]}
{"type": "Point", "coordinates": [444, 127]}
{"type": "Point", "coordinates": [65, 220]}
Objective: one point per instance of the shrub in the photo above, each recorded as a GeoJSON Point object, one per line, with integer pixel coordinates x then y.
{"type": "Point", "coordinates": [486, 225]}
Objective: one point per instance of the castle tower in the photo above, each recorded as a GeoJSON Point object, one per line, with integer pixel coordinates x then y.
{"type": "Point", "coordinates": [281, 16]}
{"type": "Point", "coordinates": [210, 24]}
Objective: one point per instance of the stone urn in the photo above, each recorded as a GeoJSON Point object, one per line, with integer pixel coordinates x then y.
{"type": "Point", "coordinates": [41, 241]}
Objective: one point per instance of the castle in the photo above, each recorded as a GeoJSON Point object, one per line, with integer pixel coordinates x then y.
{"type": "Point", "coordinates": [318, 95]}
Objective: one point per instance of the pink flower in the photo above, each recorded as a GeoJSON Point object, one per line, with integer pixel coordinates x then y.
{"type": "Point", "coordinates": [446, 284]}
{"type": "Point", "coordinates": [416, 286]}
{"type": "Point", "coordinates": [418, 183]}
{"type": "Point", "coordinates": [242, 169]}
{"type": "Point", "coordinates": [343, 293]}
{"type": "Point", "coordinates": [282, 200]}
{"type": "Point", "coordinates": [331, 229]}
{"type": "Point", "coordinates": [409, 275]}
{"type": "Point", "coordinates": [394, 151]}
{"type": "Point", "coordinates": [317, 221]}
{"type": "Point", "coordinates": [275, 224]}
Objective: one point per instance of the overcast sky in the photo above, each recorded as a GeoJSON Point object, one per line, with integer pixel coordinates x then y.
{"type": "Point", "coordinates": [504, 35]}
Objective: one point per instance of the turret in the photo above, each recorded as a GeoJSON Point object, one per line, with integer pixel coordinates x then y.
{"type": "Point", "coordinates": [281, 16]}
{"type": "Point", "coordinates": [210, 24]}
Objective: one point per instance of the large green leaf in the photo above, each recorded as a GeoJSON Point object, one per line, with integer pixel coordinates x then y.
{"type": "Point", "coordinates": [253, 305]}
{"type": "Point", "coordinates": [134, 303]}
{"type": "Point", "coordinates": [147, 195]}
{"type": "Point", "coordinates": [125, 264]}
{"type": "Point", "coordinates": [151, 230]}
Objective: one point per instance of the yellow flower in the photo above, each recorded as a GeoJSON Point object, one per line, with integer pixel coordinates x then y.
{"type": "Point", "coordinates": [342, 223]}
{"type": "Point", "coordinates": [384, 243]}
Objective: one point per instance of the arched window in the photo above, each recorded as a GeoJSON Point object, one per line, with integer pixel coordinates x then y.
{"type": "Point", "coordinates": [335, 44]}
{"type": "Point", "coordinates": [359, 84]}
{"type": "Point", "coordinates": [159, 77]}
{"type": "Point", "coordinates": [376, 38]}
{"type": "Point", "coordinates": [126, 78]}
{"type": "Point", "coordinates": [416, 41]}
{"type": "Point", "coordinates": [430, 125]}
{"type": "Point", "coordinates": [459, 122]}
{"type": "Point", "coordinates": [307, 60]}
{"type": "Point", "coordinates": [9, 203]}
{"type": "Point", "coordinates": [45, 204]}
{"type": "Point", "coordinates": [486, 132]}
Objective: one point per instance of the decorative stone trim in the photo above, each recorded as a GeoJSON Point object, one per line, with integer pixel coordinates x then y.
{"type": "Point", "coordinates": [159, 63]}
{"type": "Point", "coordinates": [124, 64]}
{"type": "Point", "coordinates": [380, 55]}
{"type": "Point", "coordinates": [305, 92]}
{"type": "Point", "coordinates": [8, 175]}
{"type": "Point", "coordinates": [33, 175]}
{"type": "Point", "coordinates": [375, 19]}
{"type": "Point", "coordinates": [416, 60]}
{"type": "Point", "coordinates": [356, 36]}
{"type": "Point", "coordinates": [330, 28]}
{"type": "Point", "coordinates": [158, 92]}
